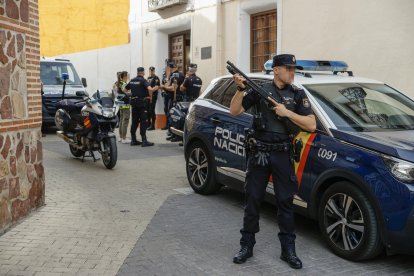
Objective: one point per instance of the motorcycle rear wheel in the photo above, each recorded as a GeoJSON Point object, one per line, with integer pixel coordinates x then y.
{"type": "Point", "coordinates": [76, 152]}
{"type": "Point", "coordinates": [109, 152]}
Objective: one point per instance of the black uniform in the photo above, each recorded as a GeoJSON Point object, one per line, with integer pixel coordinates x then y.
{"type": "Point", "coordinates": [276, 161]}
{"type": "Point", "coordinates": [193, 86]}
{"type": "Point", "coordinates": [139, 103]}
{"type": "Point", "coordinates": [153, 81]}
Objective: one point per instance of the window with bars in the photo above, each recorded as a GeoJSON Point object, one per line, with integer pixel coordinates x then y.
{"type": "Point", "coordinates": [263, 39]}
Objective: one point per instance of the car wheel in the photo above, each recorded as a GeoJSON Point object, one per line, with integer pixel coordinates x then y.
{"type": "Point", "coordinates": [201, 169]}
{"type": "Point", "coordinates": [348, 222]}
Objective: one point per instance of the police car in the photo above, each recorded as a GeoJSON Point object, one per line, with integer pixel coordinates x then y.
{"type": "Point", "coordinates": [356, 172]}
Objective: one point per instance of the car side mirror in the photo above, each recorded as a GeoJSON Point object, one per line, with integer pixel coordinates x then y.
{"type": "Point", "coordinates": [80, 93]}
{"type": "Point", "coordinates": [84, 82]}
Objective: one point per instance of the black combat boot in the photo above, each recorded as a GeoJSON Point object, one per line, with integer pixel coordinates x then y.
{"type": "Point", "coordinates": [244, 253]}
{"type": "Point", "coordinates": [289, 256]}
{"type": "Point", "coordinates": [134, 141]}
{"type": "Point", "coordinates": [145, 142]}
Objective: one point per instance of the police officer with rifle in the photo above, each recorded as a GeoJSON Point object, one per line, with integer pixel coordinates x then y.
{"type": "Point", "coordinates": [280, 110]}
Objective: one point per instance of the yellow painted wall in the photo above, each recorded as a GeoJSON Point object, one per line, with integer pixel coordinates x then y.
{"type": "Point", "coordinates": [69, 26]}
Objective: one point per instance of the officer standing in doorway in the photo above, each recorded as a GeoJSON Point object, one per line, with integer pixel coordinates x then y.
{"type": "Point", "coordinates": [140, 99]}
{"type": "Point", "coordinates": [172, 87]}
{"type": "Point", "coordinates": [153, 81]}
{"type": "Point", "coordinates": [270, 153]}
{"type": "Point", "coordinates": [192, 84]}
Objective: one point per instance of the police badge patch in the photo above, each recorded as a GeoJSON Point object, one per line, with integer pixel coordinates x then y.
{"type": "Point", "coordinates": [306, 103]}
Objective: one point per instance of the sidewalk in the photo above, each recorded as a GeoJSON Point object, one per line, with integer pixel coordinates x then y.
{"type": "Point", "coordinates": [199, 235]}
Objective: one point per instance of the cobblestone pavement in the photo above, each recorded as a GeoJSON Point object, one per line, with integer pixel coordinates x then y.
{"type": "Point", "coordinates": [103, 222]}
{"type": "Point", "coordinates": [198, 235]}
{"type": "Point", "coordinates": [93, 216]}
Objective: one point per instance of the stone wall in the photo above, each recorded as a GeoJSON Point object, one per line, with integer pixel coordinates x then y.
{"type": "Point", "coordinates": [21, 167]}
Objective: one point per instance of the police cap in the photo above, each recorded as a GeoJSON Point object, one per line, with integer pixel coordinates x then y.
{"type": "Point", "coordinates": [140, 69]}
{"type": "Point", "coordinates": [192, 65]}
{"type": "Point", "coordinates": [285, 60]}
{"type": "Point", "coordinates": [152, 68]}
{"type": "Point", "coordinates": [172, 65]}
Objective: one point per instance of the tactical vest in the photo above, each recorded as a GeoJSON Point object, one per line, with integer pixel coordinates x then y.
{"type": "Point", "coordinates": [270, 119]}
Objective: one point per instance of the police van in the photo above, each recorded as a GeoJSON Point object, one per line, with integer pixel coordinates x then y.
{"type": "Point", "coordinates": [356, 171]}
{"type": "Point", "coordinates": [52, 84]}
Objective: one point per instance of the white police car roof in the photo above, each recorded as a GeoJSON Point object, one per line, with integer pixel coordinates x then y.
{"type": "Point", "coordinates": [317, 78]}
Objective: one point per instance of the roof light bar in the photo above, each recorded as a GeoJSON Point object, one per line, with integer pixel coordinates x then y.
{"type": "Point", "coordinates": [315, 65]}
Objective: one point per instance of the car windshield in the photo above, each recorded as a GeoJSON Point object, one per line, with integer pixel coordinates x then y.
{"type": "Point", "coordinates": [364, 107]}
{"type": "Point", "coordinates": [51, 73]}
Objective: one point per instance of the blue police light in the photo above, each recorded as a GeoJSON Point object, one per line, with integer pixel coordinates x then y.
{"type": "Point", "coordinates": [268, 65]}
{"type": "Point", "coordinates": [315, 65]}
{"type": "Point", "coordinates": [65, 76]}
{"type": "Point", "coordinates": [322, 65]}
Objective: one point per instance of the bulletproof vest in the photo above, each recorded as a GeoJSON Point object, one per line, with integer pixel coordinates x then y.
{"type": "Point", "coordinates": [194, 87]}
{"type": "Point", "coordinates": [271, 121]}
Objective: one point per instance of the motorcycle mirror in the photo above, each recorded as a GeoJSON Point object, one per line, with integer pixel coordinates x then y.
{"type": "Point", "coordinates": [80, 93]}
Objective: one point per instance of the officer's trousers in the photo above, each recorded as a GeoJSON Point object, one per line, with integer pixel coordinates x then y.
{"type": "Point", "coordinates": [168, 102]}
{"type": "Point", "coordinates": [285, 187]}
{"type": "Point", "coordinates": [151, 110]}
{"type": "Point", "coordinates": [139, 114]}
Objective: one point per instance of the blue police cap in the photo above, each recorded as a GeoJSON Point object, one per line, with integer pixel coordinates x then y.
{"type": "Point", "coordinates": [172, 65]}
{"type": "Point", "coordinates": [140, 69]}
{"type": "Point", "coordinates": [285, 60]}
{"type": "Point", "coordinates": [192, 65]}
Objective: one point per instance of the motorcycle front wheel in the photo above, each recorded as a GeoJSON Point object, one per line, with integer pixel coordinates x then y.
{"type": "Point", "coordinates": [109, 152]}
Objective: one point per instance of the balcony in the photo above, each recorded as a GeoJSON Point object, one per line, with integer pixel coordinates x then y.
{"type": "Point", "coordinates": [156, 5]}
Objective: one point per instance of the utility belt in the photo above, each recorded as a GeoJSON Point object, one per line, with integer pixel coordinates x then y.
{"type": "Point", "coordinates": [139, 101]}
{"type": "Point", "coordinates": [259, 151]}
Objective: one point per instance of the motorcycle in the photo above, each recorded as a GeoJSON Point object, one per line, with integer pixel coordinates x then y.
{"type": "Point", "coordinates": [177, 117]}
{"type": "Point", "coordinates": [88, 125]}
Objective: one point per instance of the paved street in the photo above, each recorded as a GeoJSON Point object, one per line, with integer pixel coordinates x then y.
{"type": "Point", "coordinates": [142, 219]}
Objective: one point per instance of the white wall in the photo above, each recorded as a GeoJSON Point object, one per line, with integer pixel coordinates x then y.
{"type": "Point", "coordinates": [373, 36]}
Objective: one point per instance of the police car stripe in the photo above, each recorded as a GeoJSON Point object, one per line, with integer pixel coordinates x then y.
{"type": "Point", "coordinates": [307, 139]}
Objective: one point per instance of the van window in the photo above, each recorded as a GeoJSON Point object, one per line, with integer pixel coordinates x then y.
{"type": "Point", "coordinates": [51, 73]}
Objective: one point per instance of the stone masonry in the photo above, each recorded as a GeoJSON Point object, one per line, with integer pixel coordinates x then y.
{"type": "Point", "coordinates": [21, 167]}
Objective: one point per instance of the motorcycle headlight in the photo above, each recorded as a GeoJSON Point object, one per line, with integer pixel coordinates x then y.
{"type": "Point", "coordinates": [108, 112]}
{"type": "Point", "coordinates": [400, 169]}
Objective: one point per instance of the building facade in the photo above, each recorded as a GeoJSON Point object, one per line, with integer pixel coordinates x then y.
{"type": "Point", "coordinates": [22, 181]}
{"type": "Point", "coordinates": [372, 36]}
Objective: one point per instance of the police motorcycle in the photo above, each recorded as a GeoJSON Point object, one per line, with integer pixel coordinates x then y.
{"type": "Point", "coordinates": [88, 125]}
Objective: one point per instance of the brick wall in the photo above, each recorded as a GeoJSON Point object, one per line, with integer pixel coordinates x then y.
{"type": "Point", "coordinates": [21, 166]}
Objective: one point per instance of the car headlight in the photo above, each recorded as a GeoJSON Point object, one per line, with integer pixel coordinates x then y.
{"type": "Point", "coordinates": [108, 112]}
{"type": "Point", "coordinates": [400, 169]}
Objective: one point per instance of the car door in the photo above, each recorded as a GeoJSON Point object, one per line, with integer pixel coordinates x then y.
{"type": "Point", "coordinates": [227, 140]}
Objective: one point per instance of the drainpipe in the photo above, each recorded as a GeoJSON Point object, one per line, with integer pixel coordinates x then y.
{"type": "Point", "coordinates": [219, 42]}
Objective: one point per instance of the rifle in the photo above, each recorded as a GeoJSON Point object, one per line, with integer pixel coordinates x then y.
{"type": "Point", "coordinates": [251, 84]}
{"type": "Point", "coordinates": [290, 126]}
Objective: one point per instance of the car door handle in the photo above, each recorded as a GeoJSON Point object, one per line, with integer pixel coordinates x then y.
{"type": "Point", "coordinates": [215, 120]}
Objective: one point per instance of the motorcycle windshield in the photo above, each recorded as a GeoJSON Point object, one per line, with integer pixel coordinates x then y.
{"type": "Point", "coordinates": [105, 98]}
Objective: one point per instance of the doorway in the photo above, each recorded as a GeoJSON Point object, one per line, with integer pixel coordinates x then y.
{"type": "Point", "coordinates": [179, 49]}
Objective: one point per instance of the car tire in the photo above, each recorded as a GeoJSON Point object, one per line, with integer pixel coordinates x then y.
{"type": "Point", "coordinates": [201, 170]}
{"type": "Point", "coordinates": [348, 223]}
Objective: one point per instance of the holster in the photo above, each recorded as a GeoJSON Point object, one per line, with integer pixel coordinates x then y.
{"type": "Point", "coordinates": [296, 149]}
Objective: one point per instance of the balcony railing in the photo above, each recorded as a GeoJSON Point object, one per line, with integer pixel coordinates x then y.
{"type": "Point", "coordinates": [155, 5]}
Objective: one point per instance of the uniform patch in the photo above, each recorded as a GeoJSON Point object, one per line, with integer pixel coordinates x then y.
{"type": "Point", "coordinates": [306, 103]}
